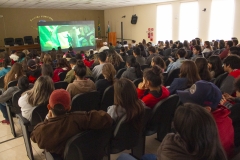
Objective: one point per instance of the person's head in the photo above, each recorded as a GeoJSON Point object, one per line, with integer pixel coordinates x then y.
{"type": "Point", "coordinates": [14, 74]}
{"type": "Point", "coordinates": [207, 45]}
{"type": "Point", "coordinates": [109, 72]}
{"type": "Point", "coordinates": [141, 47]}
{"type": "Point", "coordinates": [23, 83]}
{"type": "Point", "coordinates": [47, 70]}
{"type": "Point", "coordinates": [171, 42]}
{"type": "Point", "coordinates": [41, 91]}
{"type": "Point", "coordinates": [72, 62]}
{"type": "Point", "coordinates": [157, 60]}
{"type": "Point", "coordinates": [152, 50]}
{"type": "Point", "coordinates": [144, 42]}
{"type": "Point", "coordinates": [21, 55]}
{"type": "Point", "coordinates": [234, 51]}
{"type": "Point", "coordinates": [235, 41]}
{"type": "Point", "coordinates": [229, 44]}
{"type": "Point", "coordinates": [133, 41]}
{"type": "Point", "coordinates": [80, 69]}
{"type": "Point", "coordinates": [203, 93]}
{"type": "Point", "coordinates": [237, 86]}
{"type": "Point", "coordinates": [137, 52]}
{"type": "Point", "coordinates": [129, 46]}
{"type": "Point", "coordinates": [221, 44]}
{"type": "Point", "coordinates": [105, 43]}
{"type": "Point", "coordinates": [193, 42]}
{"type": "Point", "coordinates": [189, 70]}
{"type": "Point", "coordinates": [231, 62]}
{"type": "Point", "coordinates": [198, 42]}
{"type": "Point", "coordinates": [167, 45]}
{"type": "Point", "coordinates": [114, 58]}
{"type": "Point", "coordinates": [129, 101]}
{"type": "Point", "coordinates": [32, 65]}
{"type": "Point", "coordinates": [215, 64]}
{"type": "Point", "coordinates": [197, 49]}
{"type": "Point", "coordinates": [78, 56]}
{"type": "Point", "coordinates": [185, 44]}
{"type": "Point", "coordinates": [61, 63]}
{"type": "Point", "coordinates": [181, 53]}
{"type": "Point", "coordinates": [153, 77]}
{"type": "Point", "coordinates": [122, 49]}
{"type": "Point", "coordinates": [70, 49]}
{"type": "Point", "coordinates": [59, 102]}
{"type": "Point", "coordinates": [215, 45]}
{"type": "Point", "coordinates": [6, 61]}
{"type": "Point", "coordinates": [102, 56]}
{"type": "Point", "coordinates": [180, 45]}
{"type": "Point", "coordinates": [203, 70]}
{"type": "Point", "coordinates": [131, 62]}
{"type": "Point", "coordinates": [47, 59]}
{"type": "Point", "coordinates": [202, 140]}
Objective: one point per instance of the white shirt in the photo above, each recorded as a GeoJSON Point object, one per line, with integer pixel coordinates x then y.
{"type": "Point", "coordinates": [103, 48]}
{"type": "Point", "coordinates": [112, 112]}
{"type": "Point", "coordinates": [26, 108]}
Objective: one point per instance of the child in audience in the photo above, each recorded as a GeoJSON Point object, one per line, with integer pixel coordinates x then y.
{"type": "Point", "coordinates": [133, 69]}
{"type": "Point", "coordinates": [181, 53]}
{"type": "Point", "coordinates": [208, 96]}
{"type": "Point", "coordinates": [62, 125]}
{"type": "Point", "coordinates": [80, 84]}
{"type": "Point", "coordinates": [33, 71]}
{"type": "Point", "coordinates": [187, 77]}
{"type": "Point", "coordinates": [62, 66]}
{"type": "Point", "coordinates": [157, 60]}
{"type": "Point", "coordinates": [6, 66]}
{"type": "Point", "coordinates": [203, 70]}
{"type": "Point", "coordinates": [127, 103]}
{"type": "Point", "coordinates": [109, 73]}
{"type": "Point", "coordinates": [115, 59]}
{"type": "Point", "coordinates": [23, 84]}
{"type": "Point", "coordinates": [39, 94]}
{"type": "Point", "coordinates": [47, 70]}
{"type": "Point", "coordinates": [151, 91]}
{"type": "Point", "coordinates": [215, 66]}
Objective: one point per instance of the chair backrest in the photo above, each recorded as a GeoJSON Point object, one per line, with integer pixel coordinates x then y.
{"type": "Point", "coordinates": [15, 107]}
{"type": "Point", "coordinates": [235, 116]}
{"type": "Point", "coordinates": [2, 81]}
{"type": "Point", "coordinates": [86, 101]}
{"type": "Point", "coordinates": [9, 41]}
{"type": "Point", "coordinates": [88, 145]}
{"type": "Point", "coordinates": [90, 77]}
{"type": "Point", "coordinates": [61, 85]}
{"type": "Point", "coordinates": [216, 52]}
{"type": "Point", "coordinates": [39, 113]}
{"type": "Point", "coordinates": [62, 75]}
{"type": "Point", "coordinates": [162, 115]}
{"type": "Point", "coordinates": [218, 81]}
{"type": "Point", "coordinates": [167, 53]}
{"type": "Point", "coordinates": [207, 54]}
{"type": "Point", "coordinates": [137, 81]}
{"type": "Point", "coordinates": [125, 137]}
{"type": "Point", "coordinates": [28, 39]}
{"type": "Point", "coordinates": [173, 74]}
{"type": "Point", "coordinates": [100, 77]}
{"type": "Point", "coordinates": [120, 72]}
{"type": "Point", "coordinates": [12, 83]}
{"type": "Point", "coordinates": [189, 54]}
{"type": "Point", "coordinates": [144, 67]}
{"type": "Point", "coordinates": [107, 98]}
{"type": "Point", "coordinates": [19, 41]}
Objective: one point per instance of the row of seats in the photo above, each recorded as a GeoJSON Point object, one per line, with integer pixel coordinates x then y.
{"type": "Point", "coordinates": [20, 41]}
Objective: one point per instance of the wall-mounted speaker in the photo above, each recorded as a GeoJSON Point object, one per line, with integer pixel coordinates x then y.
{"type": "Point", "coordinates": [134, 19]}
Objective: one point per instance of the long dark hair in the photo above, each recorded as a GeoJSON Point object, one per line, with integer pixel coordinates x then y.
{"type": "Point", "coordinates": [189, 70]}
{"type": "Point", "coordinates": [129, 101]}
{"type": "Point", "coordinates": [216, 63]}
{"type": "Point", "coordinates": [154, 76]}
{"type": "Point", "coordinates": [221, 44]}
{"type": "Point", "coordinates": [198, 129]}
{"type": "Point", "coordinates": [203, 71]}
{"type": "Point", "coordinates": [131, 61]}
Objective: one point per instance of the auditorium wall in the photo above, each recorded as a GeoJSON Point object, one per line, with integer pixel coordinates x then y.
{"type": "Point", "coordinates": [147, 19]}
{"type": "Point", "coordinates": [23, 22]}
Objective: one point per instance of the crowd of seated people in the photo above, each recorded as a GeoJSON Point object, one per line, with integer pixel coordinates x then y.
{"type": "Point", "coordinates": [97, 71]}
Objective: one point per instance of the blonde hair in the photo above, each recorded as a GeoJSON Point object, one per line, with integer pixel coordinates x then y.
{"type": "Point", "coordinates": [47, 59]}
{"type": "Point", "coordinates": [114, 58]}
{"type": "Point", "coordinates": [109, 72]}
{"type": "Point", "coordinates": [41, 91]}
{"type": "Point", "coordinates": [14, 74]}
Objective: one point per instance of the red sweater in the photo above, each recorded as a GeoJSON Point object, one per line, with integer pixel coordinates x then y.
{"type": "Point", "coordinates": [149, 99]}
{"type": "Point", "coordinates": [225, 129]}
{"type": "Point", "coordinates": [224, 54]}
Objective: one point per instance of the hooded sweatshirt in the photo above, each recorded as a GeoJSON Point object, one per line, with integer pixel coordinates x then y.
{"type": "Point", "coordinates": [130, 74]}
{"type": "Point", "coordinates": [80, 86]}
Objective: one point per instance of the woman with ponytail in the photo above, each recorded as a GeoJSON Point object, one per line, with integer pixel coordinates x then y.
{"type": "Point", "coordinates": [133, 69]}
{"type": "Point", "coordinates": [109, 73]}
{"type": "Point", "coordinates": [80, 84]}
{"type": "Point", "coordinates": [151, 91]}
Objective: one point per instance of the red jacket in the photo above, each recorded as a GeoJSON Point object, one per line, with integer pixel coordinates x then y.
{"type": "Point", "coordinates": [55, 77]}
{"type": "Point", "coordinates": [224, 53]}
{"type": "Point", "coordinates": [151, 100]}
{"type": "Point", "coordinates": [225, 128]}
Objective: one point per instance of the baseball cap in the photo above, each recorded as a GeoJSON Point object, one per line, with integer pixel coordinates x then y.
{"type": "Point", "coordinates": [31, 64]}
{"type": "Point", "coordinates": [202, 93]}
{"type": "Point", "coordinates": [60, 96]}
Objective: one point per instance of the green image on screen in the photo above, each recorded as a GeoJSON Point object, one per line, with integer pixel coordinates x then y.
{"type": "Point", "coordinates": [66, 36]}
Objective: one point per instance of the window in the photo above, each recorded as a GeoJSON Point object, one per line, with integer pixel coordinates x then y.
{"type": "Point", "coordinates": [164, 22]}
{"type": "Point", "coordinates": [221, 19]}
{"type": "Point", "coordinates": [188, 21]}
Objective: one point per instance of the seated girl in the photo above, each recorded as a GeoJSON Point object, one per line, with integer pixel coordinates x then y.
{"type": "Point", "coordinates": [203, 70]}
{"type": "Point", "coordinates": [80, 84]}
{"type": "Point", "coordinates": [62, 66]}
{"type": "Point", "coordinates": [39, 94]}
{"type": "Point", "coordinates": [157, 60]}
{"type": "Point", "coordinates": [151, 91]}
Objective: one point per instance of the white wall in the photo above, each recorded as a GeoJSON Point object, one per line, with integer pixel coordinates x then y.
{"type": "Point", "coordinates": [147, 19]}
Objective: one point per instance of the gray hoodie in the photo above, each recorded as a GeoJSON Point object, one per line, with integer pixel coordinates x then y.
{"type": "Point", "coordinates": [130, 74]}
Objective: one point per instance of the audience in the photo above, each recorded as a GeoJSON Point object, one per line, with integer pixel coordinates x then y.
{"type": "Point", "coordinates": [203, 70]}
{"type": "Point", "coordinates": [181, 53]}
{"type": "Point", "coordinates": [80, 84]}
{"type": "Point", "coordinates": [215, 66]}
{"type": "Point", "coordinates": [151, 91]}
{"type": "Point", "coordinates": [232, 66]}
{"type": "Point", "coordinates": [62, 125]}
{"type": "Point", "coordinates": [224, 53]}
{"type": "Point", "coordinates": [133, 69]}
{"type": "Point", "coordinates": [207, 95]}
{"type": "Point", "coordinates": [139, 58]}
{"type": "Point", "coordinates": [97, 70]}
{"type": "Point", "coordinates": [39, 94]}
{"type": "Point", "coordinates": [187, 77]}
{"type": "Point", "coordinates": [109, 73]}
{"type": "Point", "coordinates": [234, 51]}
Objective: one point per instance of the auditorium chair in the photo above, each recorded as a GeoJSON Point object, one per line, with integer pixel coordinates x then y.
{"type": "Point", "coordinates": [62, 75]}
{"type": "Point", "coordinates": [171, 76]}
{"type": "Point", "coordinates": [144, 67]}
{"type": "Point", "coordinates": [137, 81]}
{"type": "Point", "coordinates": [218, 81]}
{"type": "Point", "coordinates": [19, 41]}
{"type": "Point", "coordinates": [90, 77]}
{"type": "Point", "coordinates": [61, 85]}
{"type": "Point", "coordinates": [28, 40]}
{"type": "Point", "coordinates": [120, 72]}
{"type": "Point", "coordinates": [100, 77]}
{"type": "Point", "coordinates": [107, 98]}
{"type": "Point", "coordinates": [9, 41]}
{"type": "Point", "coordinates": [207, 54]}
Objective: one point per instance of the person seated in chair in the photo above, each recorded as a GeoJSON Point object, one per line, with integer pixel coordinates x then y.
{"type": "Point", "coordinates": [139, 58]}
{"type": "Point", "coordinates": [62, 125]}
{"type": "Point", "coordinates": [33, 71]}
{"type": "Point", "coordinates": [97, 70]}
{"type": "Point", "coordinates": [181, 53]}
{"type": "Point", "coordinates": [197, 52]}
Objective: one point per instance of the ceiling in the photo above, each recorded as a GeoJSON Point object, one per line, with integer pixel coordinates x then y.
{"type": "Point", "coordinates": [75, 4]}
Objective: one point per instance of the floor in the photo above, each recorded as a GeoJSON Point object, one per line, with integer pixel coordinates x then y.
{"type": "Point", "coordinates": [14, 148]}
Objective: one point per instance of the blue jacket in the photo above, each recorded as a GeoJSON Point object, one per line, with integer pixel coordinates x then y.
{"type": "Point", "coordinates": [178, 84]}
{"type": "Point", "coordinates": [4, 71]}
{"type": "Point", "coordinates": [175, 65]}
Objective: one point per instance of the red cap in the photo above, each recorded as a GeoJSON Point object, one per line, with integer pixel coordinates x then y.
{"type": "Point", "coordinates": [60, 96]}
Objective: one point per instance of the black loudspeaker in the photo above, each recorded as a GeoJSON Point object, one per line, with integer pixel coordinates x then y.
{"type": "Point", "coordinates": [134, 19]}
